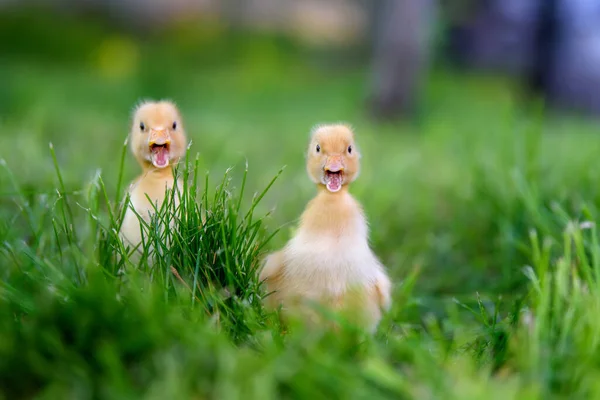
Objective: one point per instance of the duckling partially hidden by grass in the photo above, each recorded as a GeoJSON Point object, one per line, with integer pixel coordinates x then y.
{"type": "Point", "coordinates": [157, 141]}
{"type": "Point", "coordinates": [329, 260]}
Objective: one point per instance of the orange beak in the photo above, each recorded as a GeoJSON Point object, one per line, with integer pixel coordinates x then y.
{"type": "Point", "coordinates": [159, 137]}
{"type": "Point", "coordinates": [334, 164]}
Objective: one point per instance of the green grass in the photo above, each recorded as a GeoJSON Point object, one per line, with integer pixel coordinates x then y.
{"type": "Point", "coordinates": [483, 212]}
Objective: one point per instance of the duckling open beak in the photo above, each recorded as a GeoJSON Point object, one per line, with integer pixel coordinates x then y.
{"type": "Point", "coordinates": [334, 173]}
{"type": "Point", "coordinates": [159, 143]}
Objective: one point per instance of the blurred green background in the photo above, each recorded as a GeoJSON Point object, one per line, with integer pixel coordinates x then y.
{"type": "Point", "coordinates": [444, 189]}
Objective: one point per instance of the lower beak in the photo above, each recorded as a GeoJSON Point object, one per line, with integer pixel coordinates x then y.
{"type": "Point", "coordinates": [334, 164]}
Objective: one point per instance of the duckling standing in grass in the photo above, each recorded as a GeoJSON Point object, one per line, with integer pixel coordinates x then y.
{"type": "Point", "coordinates": [329, 260]}
{"type": "Point", "coordinates": [157, 141]}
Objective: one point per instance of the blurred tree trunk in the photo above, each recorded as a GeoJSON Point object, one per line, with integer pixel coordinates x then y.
{"type": "Point", "coordinates": [545, 39]}
{"type": "Point", "coordinates": [574, 81]}
{"type": "Point", "coordinates": [401, 55]}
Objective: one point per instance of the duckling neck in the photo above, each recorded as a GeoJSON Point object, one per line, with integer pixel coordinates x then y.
{"type": "Point", "coordinates": [152, 183]}
{"type": "Point", "coordinates": [153, 173]}
{"type": "Point", "coordinates": [336, 213]}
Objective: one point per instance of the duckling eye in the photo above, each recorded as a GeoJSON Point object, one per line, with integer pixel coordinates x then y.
{"type": "Point", "coordinates": [349, 149]}
{"type": "Point", "coordinates": [142, 126]}
{"type": "Point", "coordinates": [318, 149]}
{"type": "Point", "coordinates": [174, 124]}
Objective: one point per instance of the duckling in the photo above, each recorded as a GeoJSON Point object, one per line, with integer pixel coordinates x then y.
{"type": "Point", "coordinates": [158, 141]}
{"type": "Point", "coordinates": [329, 260]}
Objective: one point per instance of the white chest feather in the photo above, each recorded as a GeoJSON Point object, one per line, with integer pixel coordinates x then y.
{"type": "Point", "coordinates": [329, 263]}
{"type": "Point", "coordinates": [145, 203]}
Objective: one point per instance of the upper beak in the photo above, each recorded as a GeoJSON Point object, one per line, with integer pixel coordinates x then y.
{"type": "Point", "coordinates": [159, 137]}
{"type": "Point", "coordinates": [334, 164]}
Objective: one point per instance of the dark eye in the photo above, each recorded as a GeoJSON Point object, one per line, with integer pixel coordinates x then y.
{"type": "Point", "coordinates": [349, 149]}
{"type": "Point", "coordinates": [142, 126]}
{"type": "Point", "coordinates": [175, 125]}
{"type": "Point", "coordinates": [318, 149]}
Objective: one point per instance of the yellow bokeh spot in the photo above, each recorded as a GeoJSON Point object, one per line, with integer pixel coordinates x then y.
{"type": "Point", "coordinates": [117, 58]}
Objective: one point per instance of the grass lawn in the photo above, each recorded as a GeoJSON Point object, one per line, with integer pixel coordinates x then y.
{"type": "Point", "coordinates": [482, 210]}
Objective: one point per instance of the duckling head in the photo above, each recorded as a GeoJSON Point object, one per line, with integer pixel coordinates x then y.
{"type": "Point", "coordinates": [332, 158]}
{"type": "Point", "coordinates": [157, 136]}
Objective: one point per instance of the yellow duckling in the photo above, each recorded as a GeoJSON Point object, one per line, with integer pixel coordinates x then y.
{"type": "Point", "coordinates": [158, 141]}
{"type": "Point", "coordinates": [329, 260]}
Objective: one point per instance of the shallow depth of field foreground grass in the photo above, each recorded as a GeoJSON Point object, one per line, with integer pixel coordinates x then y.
{"type": "Point", "coordinates": [484, 213]}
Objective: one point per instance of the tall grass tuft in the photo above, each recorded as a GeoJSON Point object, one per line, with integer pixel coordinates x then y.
{"type": "Point", "coordinates": [558, 341]}
{"type": "Point", "coordinates": [201, 243]}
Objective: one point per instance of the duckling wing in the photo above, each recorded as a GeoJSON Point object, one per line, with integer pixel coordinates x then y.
{"type": "Point", "coordinates": [383, 288]}
{"type": "Point", "coordinates": [271, 275]}
{"type": "Point", "coordinates": [273, 266]}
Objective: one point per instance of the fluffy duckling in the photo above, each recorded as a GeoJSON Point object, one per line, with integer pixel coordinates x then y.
{"type": "Point", "coordinates": [157, 141]}
{"type": "Point", "coordinates": [329, 260]}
